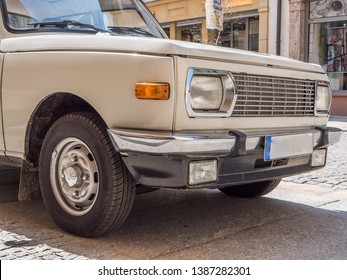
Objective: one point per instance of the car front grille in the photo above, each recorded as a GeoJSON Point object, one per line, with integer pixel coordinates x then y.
{"type": "Point", "coordinates": [273, 96]}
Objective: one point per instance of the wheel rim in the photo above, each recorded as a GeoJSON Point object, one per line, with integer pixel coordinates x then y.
{"type": "Point", "coordinates": [74, 176]}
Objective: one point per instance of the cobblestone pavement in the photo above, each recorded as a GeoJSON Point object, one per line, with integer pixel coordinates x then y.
{"type": "Point", "coordinates": [334, 174]}
{"type": "Point", "coordinates": [19, 247]}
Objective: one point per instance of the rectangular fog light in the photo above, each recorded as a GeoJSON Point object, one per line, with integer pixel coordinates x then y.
{"type": "Point", "coordinates": [202, 172]}
{"type": "Point", "coordinates": [318, 158]}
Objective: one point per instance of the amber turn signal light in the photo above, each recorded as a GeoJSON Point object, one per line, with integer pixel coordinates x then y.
{"type": "Point", "coordinates": [155, 91]}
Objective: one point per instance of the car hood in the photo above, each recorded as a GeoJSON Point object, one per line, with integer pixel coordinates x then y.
{"type": "Point", "coordinates": [151, 46]}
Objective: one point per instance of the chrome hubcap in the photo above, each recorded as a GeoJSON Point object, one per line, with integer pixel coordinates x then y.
{"type": "Point", "coordinates": [74, 176]}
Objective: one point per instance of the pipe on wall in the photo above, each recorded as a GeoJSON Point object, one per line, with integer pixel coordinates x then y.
{"type": "Point", "coordinates": [279, 28]}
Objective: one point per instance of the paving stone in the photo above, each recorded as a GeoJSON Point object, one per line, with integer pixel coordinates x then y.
{"type": "Point", "coordinates": [312, 182]}
{"type": "Point", "coordinates": [334, 174]}
{"type": "Point", "coordinates": [12, 247]}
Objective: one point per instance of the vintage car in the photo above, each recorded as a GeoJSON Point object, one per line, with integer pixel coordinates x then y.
{"type": "Point", "coordinates": [96, 100]}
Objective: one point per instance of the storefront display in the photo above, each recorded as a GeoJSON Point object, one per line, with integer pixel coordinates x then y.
{"type": "Point", "coordinates": [328, 40]}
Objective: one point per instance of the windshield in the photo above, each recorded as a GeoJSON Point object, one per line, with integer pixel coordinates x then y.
{"type": "Point", "coordinates": [117, 17]}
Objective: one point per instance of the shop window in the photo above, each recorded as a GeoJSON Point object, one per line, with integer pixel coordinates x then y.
{"type": "Point", "coordinates": [328, 47]}
{"type": "Point", "coordinates": [241, 33]}
{"type": "Point", "coordinates": [328, 39]}
{"type": "Point", "coordinates": [253, 34]}
{"type": "Point", "coordinates": [167, 31]}
{"type": "Point", "coordinates": [191, 33]}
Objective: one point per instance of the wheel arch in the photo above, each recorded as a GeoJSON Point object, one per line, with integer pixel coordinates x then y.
{"type": "Point", "coordinates": [45, 114]}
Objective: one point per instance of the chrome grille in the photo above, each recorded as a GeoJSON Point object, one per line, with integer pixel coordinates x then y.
{"type": "Point", "coordinates": [273, 96]}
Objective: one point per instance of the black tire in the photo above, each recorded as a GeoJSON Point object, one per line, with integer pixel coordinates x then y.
{"type": "Point", "coordinates": [85, 185]}
{"type": "Point", "coordinates": [251, 190]}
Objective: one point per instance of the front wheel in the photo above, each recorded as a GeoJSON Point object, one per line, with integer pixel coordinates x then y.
{"type": "Point", "coordinates": [251, 190]}
{"type": "Point", "coordinates": [85, 185]}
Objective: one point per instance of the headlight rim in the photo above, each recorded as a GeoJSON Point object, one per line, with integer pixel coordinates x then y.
{"type": "Point", "coordinates": [229, 93]}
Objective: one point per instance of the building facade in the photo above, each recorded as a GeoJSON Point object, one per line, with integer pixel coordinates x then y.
{"type": "Point", "coordinates": [256, 25]}
{"type": "Point", "coordinates": [246, 22]}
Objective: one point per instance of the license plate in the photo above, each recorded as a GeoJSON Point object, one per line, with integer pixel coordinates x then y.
{"type": "Point", "coordinates": [285, 146]}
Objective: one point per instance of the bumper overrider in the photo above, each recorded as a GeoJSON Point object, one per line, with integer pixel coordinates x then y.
{"type": "Point", "coordinates": [210, 160]}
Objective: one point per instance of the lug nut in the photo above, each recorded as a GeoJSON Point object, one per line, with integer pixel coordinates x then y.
{"type": "Point", "coordinates": [75, 194]}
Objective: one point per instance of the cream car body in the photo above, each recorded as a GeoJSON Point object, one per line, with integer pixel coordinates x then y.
{"type": "Point", "coordinates": [49, 72]}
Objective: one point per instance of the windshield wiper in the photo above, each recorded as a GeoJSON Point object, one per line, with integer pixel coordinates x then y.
{"type": "Point", "coordinates": [142, 31]}
{"type": "Point", "coordinates": [66, 23]}
{"type": "Point", "coordinates": [130, 30]}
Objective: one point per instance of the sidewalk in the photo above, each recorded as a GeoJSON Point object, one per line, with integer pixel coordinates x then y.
{"type": "Point", "coordinates": [339, 122]}
{"type": "Point", "coordinates": [334, 174]}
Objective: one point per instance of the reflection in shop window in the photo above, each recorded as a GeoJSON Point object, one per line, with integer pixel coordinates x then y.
{"type": "Point", "coordinates": [239, 35]}
{"type": "Point", "coordinates": [191, 33]}
{"type": "Point", "coordinates": [242, 33]}
{"type": "Point", "coordinates": [253, 34]}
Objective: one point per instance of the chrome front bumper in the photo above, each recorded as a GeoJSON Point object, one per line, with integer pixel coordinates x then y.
{"type": "Point", "coordinates": [165, 159]}
{"type": "Point", "coordinates": [169, 143]}
{"type": "Point", "coordinates": [218, 144]}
